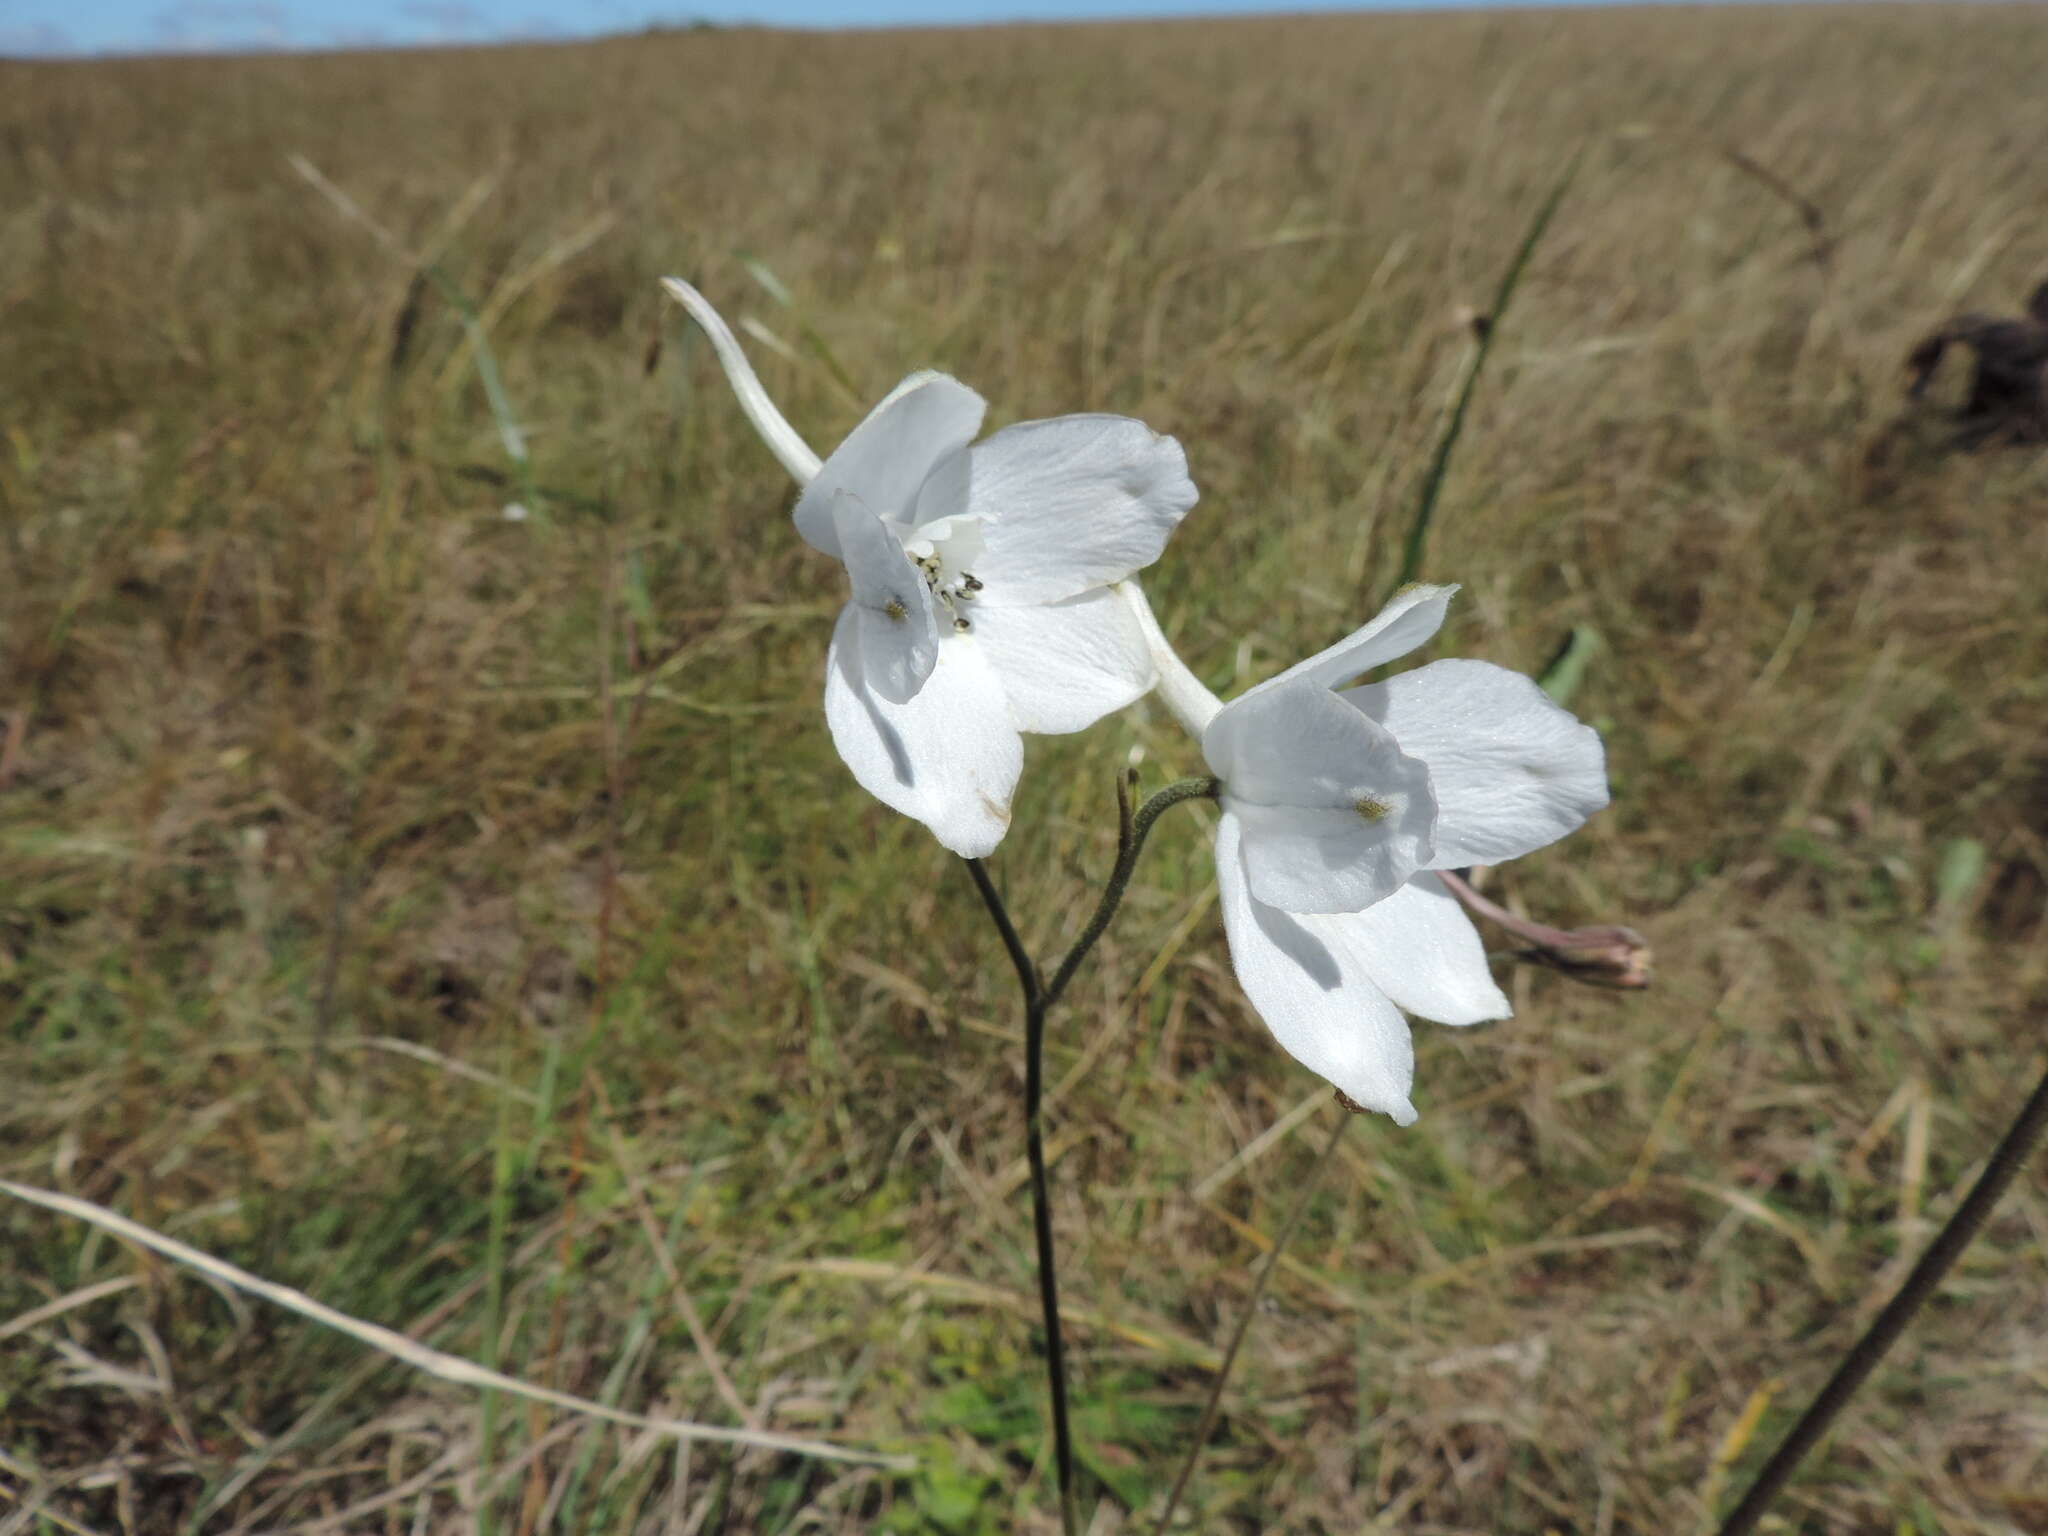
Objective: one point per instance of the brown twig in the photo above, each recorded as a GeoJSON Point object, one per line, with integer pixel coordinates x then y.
{"type": "Point", "coordinates": [1822, 252]}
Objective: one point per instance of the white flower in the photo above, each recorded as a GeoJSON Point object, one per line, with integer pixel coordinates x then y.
{"type": "Point", "coordinates": [1337, 805]}
{"type": "Point", "coordinates": [983, 582]}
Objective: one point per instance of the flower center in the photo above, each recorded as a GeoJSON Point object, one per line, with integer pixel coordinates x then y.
{"type": "Point", "coordinates": [942, 551]}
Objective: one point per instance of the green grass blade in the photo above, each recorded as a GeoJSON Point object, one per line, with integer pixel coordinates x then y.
{"type": "Point", "coordinates": [510, 434]}
{"type": "Point", "coordinates": [1440, 461]}
{"type": "Point", "coordinates": [779, 292]}
{"type": "Point", "coordinates": [504, 1172]}
{"type": "Point", "coordinates": [1567, 668]}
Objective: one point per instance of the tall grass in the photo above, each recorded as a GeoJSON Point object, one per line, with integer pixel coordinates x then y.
{"type": "Point", "coordinates": [378, 872]}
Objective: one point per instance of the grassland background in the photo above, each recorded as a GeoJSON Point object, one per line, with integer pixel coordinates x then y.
{"type": "Point", "coordinates": [431, 910]}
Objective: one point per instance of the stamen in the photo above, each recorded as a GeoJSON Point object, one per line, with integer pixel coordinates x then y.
{"type": "Point", "coordinates": [1371, 810]}
{"type": "Point", "coordinates": [950, 588]}
{"type": "Point", "coordinates": [894, 609]}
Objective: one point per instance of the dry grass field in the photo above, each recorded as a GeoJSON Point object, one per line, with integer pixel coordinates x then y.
{"type": "Point", "coordinates": [466, 920]}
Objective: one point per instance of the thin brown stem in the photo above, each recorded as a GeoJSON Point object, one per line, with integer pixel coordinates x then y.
{"type": "Point", "coordinates": [1211, 1408]}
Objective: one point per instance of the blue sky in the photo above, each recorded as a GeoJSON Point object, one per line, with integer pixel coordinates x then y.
{"type": "Point", "coordinates": [57, 27]}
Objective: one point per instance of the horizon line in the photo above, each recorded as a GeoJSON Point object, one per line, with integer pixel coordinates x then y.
{"type": "Point", "coordinates": [528, 37]}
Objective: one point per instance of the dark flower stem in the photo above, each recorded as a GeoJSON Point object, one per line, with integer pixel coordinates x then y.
{"type": "Point", "coordinates": [2007, 1159]}
{"type": "Point", "coordinates": [1027, 973]}
{"type": "Point", "coordinates": [1039, 997]}
{"type": "Point", "coordinates": [1132, 831]}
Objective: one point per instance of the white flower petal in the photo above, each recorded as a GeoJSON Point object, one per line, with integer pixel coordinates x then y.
{"type": "Point", "coordinates": [891, 604]}
{"type": "Point", "coordinates": [1411, 616]}
{"type": "Point", "coordinates": [949, 757]}
{"type": "Point", "coordinates": [1420, 948]}
{"type": "Point", "coordinates": [1313, 991]}
{"type": "Point", "coordinates": [1335, 817]}
{"type": "Point", "coordinates": [945, 492]}
{"type": "Point", "coordinates": [1065, 665]}
{"type": "Point", "coordinates": [886, 459]}
{"type": "Point", "coordinates": [1512, 771]}
{"type": "Point", "coordinates": [1073, 503]}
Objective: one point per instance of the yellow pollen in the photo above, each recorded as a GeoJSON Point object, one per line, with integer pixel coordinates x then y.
{"type": "Point", "coordinates": [1374, 811]}
{"type": "Point", "coordinates": [895, 609]}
